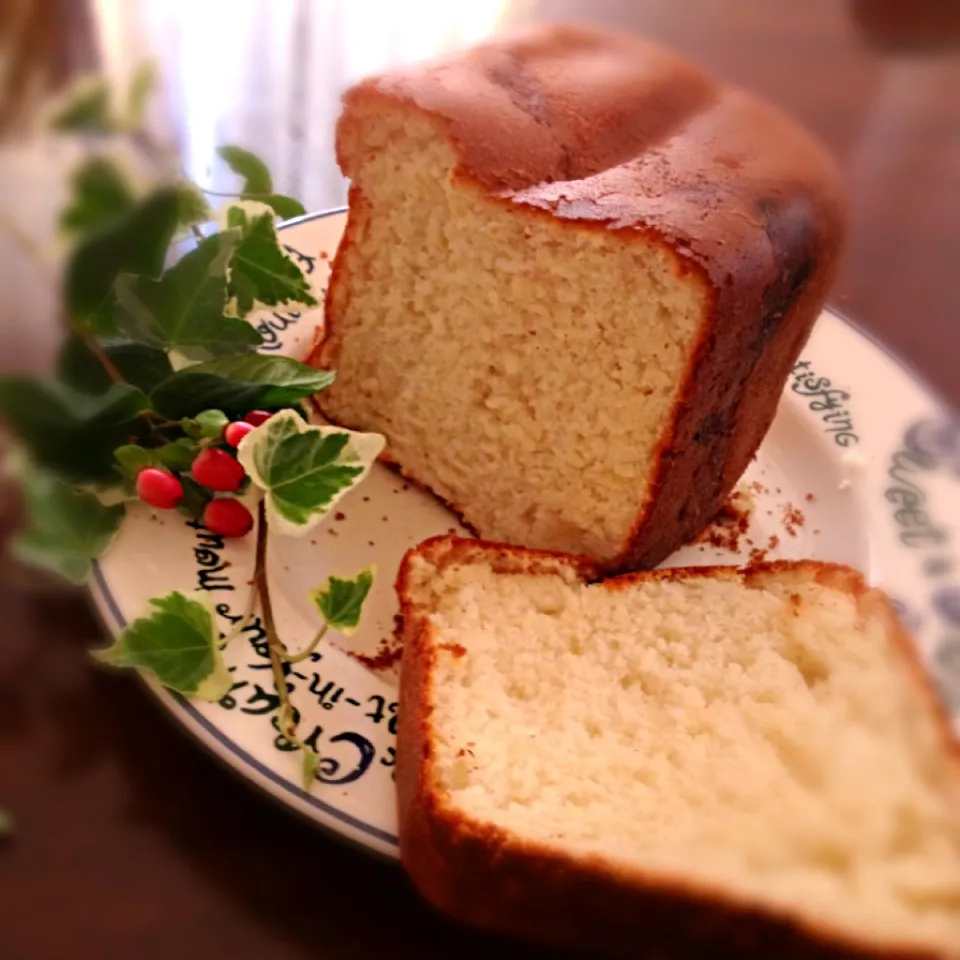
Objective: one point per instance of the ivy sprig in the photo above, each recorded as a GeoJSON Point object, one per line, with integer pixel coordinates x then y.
{"type": "Point", "coordinates": [258, 184]}
{"type": "Point", "coordinates": [157, 365]}
{"type": "Point", "coordinates": [304, 470]}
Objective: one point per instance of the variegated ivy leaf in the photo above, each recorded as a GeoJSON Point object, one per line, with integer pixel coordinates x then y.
{"type": "Point", "coordinates": [177, 641]}
{"type": "Point", "coordinates": [303, 469]}
{"type": "Point", "coordinates": [260, 270]}
{"type": "Point", "coordinates": [340, 601]}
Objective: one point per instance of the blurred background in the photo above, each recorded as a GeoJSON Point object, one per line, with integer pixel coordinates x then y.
{"type": "Point", "coordinates": [134, 843]}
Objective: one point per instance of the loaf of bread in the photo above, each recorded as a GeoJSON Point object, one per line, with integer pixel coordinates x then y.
{"type": "Point", "coordinates": [685, 763]}
{"type": "Point", "coordinates": [575, 275]}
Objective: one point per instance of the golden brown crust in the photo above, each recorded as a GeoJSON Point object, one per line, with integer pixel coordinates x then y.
{"type": "Point", "coordinates": [484, 876]}
{"type": "Point", "coordinates": [591, 130]}
{"type": "Point", "coordinates": [448, 550]}
{"type": "Point", "coordinates": [554, 104]}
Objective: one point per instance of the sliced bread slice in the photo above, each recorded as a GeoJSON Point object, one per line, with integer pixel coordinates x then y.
{"type": "Point", "coordinates": [705, 761]}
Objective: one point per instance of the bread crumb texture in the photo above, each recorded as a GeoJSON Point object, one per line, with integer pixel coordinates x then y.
{"type": "Point", "coordinates": [473, 330]}
{"type": "Point", "coordinates": [768, 740]}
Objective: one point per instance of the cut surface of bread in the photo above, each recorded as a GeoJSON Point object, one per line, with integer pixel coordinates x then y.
{"type": "Point", "coordinates": [574, 277]}
{"type": "Point", "coordinates": [700, 759]}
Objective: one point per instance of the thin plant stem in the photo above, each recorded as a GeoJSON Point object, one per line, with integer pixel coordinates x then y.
{"type": "Point", "coordinates": [300, 657]}
{"type": "Point", "coordinates": [94, 346]}
{"type": "Point", "coordinates": [159, 420]}
{"type": "Point", "coordinates": [235, 196]}
{"type": "Point", "coordinates": [275, 648]}
{"type": "Point", "coordinates": [245, 619]}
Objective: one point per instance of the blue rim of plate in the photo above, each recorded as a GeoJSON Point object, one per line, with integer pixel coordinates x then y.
{"type": "Point", "coordinates": [285, 785]}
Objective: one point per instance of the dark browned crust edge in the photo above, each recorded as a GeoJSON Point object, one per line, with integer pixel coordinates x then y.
{"type": "Point", "coordinates": [687, 490]}
{"type": "Point", "coordinates": [753, 331]}
{"type": "Point", "coordinates": [488, 878]}
{"type": "Point", "coordinates": [722, 435]}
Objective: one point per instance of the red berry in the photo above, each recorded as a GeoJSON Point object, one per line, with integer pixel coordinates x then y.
{"type": "Point", "coordinates": [235, 432]}
{"type": "Point", "coordinates": [159, 488]}
{"type": "Point", "coordinates": [215, 469]}
{"type": "Point", "coordinates": [227, 517]}
{"type": "Point", "coordinates": [258, 417]}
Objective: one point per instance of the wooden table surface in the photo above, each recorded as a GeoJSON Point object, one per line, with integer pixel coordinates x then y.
{"type": "Point", "coordinates": [130, 841]}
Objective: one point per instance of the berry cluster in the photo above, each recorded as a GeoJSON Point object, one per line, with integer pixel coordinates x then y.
{"type": "Point", "coordinates": [217, 471]}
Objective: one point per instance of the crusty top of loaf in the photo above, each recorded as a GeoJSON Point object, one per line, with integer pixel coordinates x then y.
{"type": "Point", "coordinates": [601, 128]}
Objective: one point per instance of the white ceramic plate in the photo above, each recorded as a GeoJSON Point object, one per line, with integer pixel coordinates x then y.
{"type": "Point", "coordinates": [861, 466]}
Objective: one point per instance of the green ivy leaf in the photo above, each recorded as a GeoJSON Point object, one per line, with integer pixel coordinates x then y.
{"type": "Point", "coordinates": [68, 432]}
{"type": "Point", "coordinates": [135, 242]}
{"type": "Point", "coordinates": [101, 193]}
{"type": "Point", "coordinates": [177, 641]}
{"type": "Point", "coordinates": [304, 470]}
{"type": "Point", "coordinates": [67, 529]}
{"type": "Point", "coordinates": [139, 364]}
{"type": "Point", "coordinates": [207, 424]}
{"type": "Point", "coordinates": [138, 94]}
{"type": "Point", "coordinates": [184, 309]}
{"type": "Point", "coordinates": [261, 272]}
{"type": "Point", "coordinates": [132, 458]}
{"type": "Point", "coordinates": [195, 497]}
{"type": "Point", "coordinates": [340, 602]}
{"type": "Point", "coordinates": [285, 207]}
{"type": "Point", "coordinates": [237, 219]}
{"type": "Point", "coordinates": [248, 165]}
{"type": "Point", "coordinates": [177, 456]}
{"type": "Point", "coordinates": [101, 320]}
{"type": "Point", "coordinates": [192, 205]}
{"type": "Point", "coordinates": [258, 184]}
{"type": "Point", "coordinates": [310, 766]}
{"type": "Point", "coordinates": [237, 385]}
{"type": "Point", "coordinates": [84, 109]}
